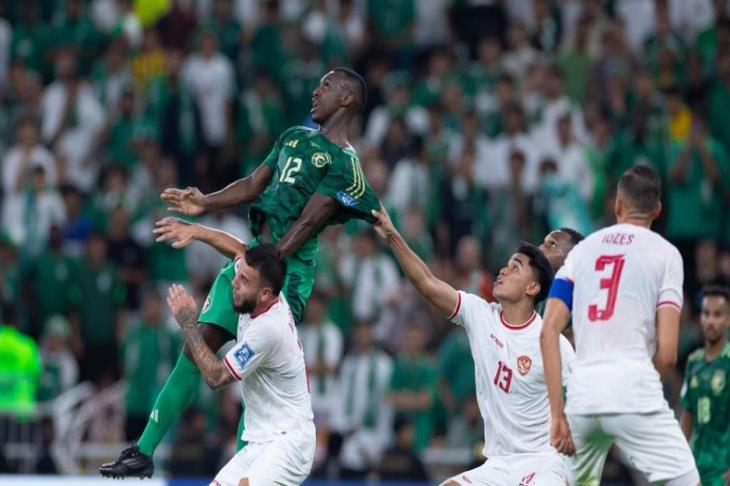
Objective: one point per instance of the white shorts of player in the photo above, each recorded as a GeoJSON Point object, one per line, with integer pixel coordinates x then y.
{"type": "Point", "coordinates": [284, 461]}
{"type": "Point", "coordinates": [547, 469]}
{"type": "Point", "coordinates": [652, 443]}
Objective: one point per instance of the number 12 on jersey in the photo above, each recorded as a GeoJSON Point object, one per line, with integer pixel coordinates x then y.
{"type": "Point", "coordinates": [610, 284]}
{"type": "Point", "coordinates": [293, 165]}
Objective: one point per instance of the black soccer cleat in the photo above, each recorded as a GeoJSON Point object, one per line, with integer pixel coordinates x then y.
{"type": "Point", "coordinates": [131, 463]}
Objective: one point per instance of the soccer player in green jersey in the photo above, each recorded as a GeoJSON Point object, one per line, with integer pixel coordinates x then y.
{"type": "Point", "coordinates": [706, 391]}
{"type": "Point", "coordinates": [311, 179]}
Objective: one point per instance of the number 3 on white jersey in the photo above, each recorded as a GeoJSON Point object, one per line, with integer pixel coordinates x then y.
{"type": "Point", "coordinates": [604, 264]}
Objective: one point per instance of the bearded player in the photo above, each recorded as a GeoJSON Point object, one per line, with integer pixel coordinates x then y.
{"type": "Point", "coordinates": [310, 179]}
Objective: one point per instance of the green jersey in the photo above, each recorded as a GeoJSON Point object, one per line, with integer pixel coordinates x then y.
{"type": "Point", "coordinates": [305, 162]}
{"type": "Point", "coordinates": [706, 395]}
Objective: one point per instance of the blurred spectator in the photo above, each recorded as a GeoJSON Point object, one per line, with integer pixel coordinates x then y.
{"type": "Point", "coordinates": [192, 454]}
{"type": "Point", "coordinates": [230, 33]}
{"type": "Point", "coordinates": [698, 169]}
{"type": "Point", "coordinates": [30, 214]}
{"type": "Point", "coordinates": [60, 370]}
{"type": "Point", "coordinates": [72, 120]}
{"type": "Point", "coordinates": [392, 23]}
{"type": "Point", "coordinates": [371, 275]}
{"type": "Point", "coordinates": [178, 25]}
{"type": "Point", "coordinates": [456, 374]}
{"type": "Point", "coordinates": [149, 352]}
{"type": "Point", "coordinates": [149, 62]}
{"type": "Point", "coordinates": [20, 160]}
{"type": "Point", "coordinates": [74, 29]}
{"type": "Point", "coordinates": [719, 101]}
{"type": "Point", "coordinates": [78, 225]}
{"type": "Point", "coordinates": [30, 37]}
{"type": "Point", "coordinates": [363, 417]}
{"type": "Point", "coordinates": [98, 298]}
{"type": "Point", "coordinates": [568, 151]}
{"type": "Point", "coordinates": [50, 278]}
{"type": "Point", "coordinates": [128, 255]}
{"type": "Point", "coordinates": [400, 462]}
{"type": "Point", "coordinates": [111, 76]}
{"type": "Point", "coordinates": [128, 24]}
{"type": "Point", "coordinates": [323, 348]}
{"type": "Point", "coordinates": [173, 110]}
{"type": "Point", "coordinates": [210, 78]}
{"type": "Point", "coordinates": [412, 387]}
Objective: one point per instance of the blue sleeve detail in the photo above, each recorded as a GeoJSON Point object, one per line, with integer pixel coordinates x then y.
{"type": "Point", "coordinates": [562, 289]}
{"type": "Point", "coordinates": [244, 355]}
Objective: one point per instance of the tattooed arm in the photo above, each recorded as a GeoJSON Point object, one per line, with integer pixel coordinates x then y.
{"type": "Point", "coordinates": [214, 370]}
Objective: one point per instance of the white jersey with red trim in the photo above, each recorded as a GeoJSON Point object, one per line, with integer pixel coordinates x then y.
{"type": "Point", "coordinates": [269, 362]}
{"type": "Point", "coordinates": [511, 390]}
{"type": "Point", "coordinates": [621, 275]}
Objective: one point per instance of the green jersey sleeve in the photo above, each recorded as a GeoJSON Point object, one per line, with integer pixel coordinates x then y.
{"type": "Point", "coordinates": [345, 183]}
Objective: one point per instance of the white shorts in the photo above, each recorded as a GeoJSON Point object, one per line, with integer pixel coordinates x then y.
{"type": "Point", "coordinates": [652, 443]}
{"type": "Point", "coordinates": [547, 469]}
{"type": "Point", "coordinates": [285, 461]}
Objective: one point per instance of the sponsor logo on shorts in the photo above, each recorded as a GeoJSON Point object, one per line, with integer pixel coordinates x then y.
{"type": "Point", "coordinates": [244, 355]}
{"type": "Point", "coordinates": [320, 159]}
{"type": "Point", "coordinates": [346, 200]}
{"type": "Point", "coordinates": [524, 363]}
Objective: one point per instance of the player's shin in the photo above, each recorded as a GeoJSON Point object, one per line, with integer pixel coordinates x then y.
{"type": "Point", "coordinates": [177, 394]}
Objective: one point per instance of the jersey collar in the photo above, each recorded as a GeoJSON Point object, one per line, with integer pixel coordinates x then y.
{"type": "Point", "coordinates": [524, 325]}
{"type": "Point", "coordinates": [254, 316]}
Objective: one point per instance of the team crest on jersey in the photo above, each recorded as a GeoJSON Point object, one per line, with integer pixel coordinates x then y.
{"type": "Point", "coordinates": [694, 382]}
{"type": "Point", "coordinates": [244, 355]}
{"type": "Point", "coordinates": [206, 304]}
{"type": "Point", "coordinates": [718, 382]}
{"type": "Point", "coordinates": [346, 200]}
{"type": "Point", "coordinates": [320, 159]}
{"type": "Point", "coordinates": [524, 363]}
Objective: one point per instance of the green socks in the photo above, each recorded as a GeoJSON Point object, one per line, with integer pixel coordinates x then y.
{"type": "Point", "coordinates": [179, 391]}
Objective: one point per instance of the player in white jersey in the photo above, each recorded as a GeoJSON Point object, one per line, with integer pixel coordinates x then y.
{"type": "Point", "coordinates": [504, 341]}
{"type": "Point", "coordinates": [623, 285]}
{"type": "Point", "coordinates": [268, 361]}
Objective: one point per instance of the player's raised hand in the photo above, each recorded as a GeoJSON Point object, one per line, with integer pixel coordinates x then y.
{"type": "Point", "coordinates": [181, 232]}
{"type": "Point", "coordinates": [383, 224]}
{"type": "Point", "coordinates": [189, 201]}
{"type": "Point", "coordinates": [560, 436]}
{"type": "Point", "coordinates": [182, 306]}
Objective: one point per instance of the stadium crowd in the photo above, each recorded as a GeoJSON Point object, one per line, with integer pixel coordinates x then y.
{"type": "Point", "coordinates": [487, 123]}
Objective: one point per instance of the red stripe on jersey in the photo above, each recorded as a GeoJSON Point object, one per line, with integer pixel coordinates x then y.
{"type": "Point", "coordinates": [231, 369]}
{"type": "Point", "coordinates": [254, 316]}
{"type": "Point", "coordinates": [458, 307]}
{"type": "Point", "coordinates": [521, 326]}
{"type": "Point", "coordinates": [665, 303]}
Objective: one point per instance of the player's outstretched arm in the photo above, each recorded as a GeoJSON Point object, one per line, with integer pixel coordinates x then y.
{"type": "Point", "coordinates": [667, 337]}
{"type": "Point", "coordinates": [183, 233]}
{"type": "Point", "coordinates": [192, 202]}
{"type": "Point", "coordinates": [556, 318]}
{"type": "Point", "coordinates": [440, 294]}
{"type": "Point", "coordinates": [185, 310]}
{"type": "Point", "coordinates": [317, 211]}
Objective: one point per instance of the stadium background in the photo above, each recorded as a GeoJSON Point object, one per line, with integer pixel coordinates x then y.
{"type": "Point", "coordinates": [487, 122]}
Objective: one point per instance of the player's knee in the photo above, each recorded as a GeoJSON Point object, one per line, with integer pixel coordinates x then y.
{"type": "Point", "coordinates": [243, 482]}
{"type": "Point", "coordinates": [450, 483]}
